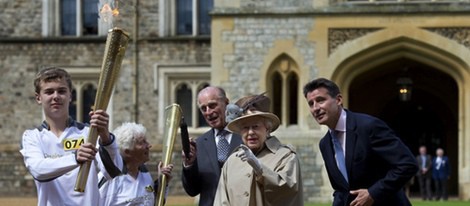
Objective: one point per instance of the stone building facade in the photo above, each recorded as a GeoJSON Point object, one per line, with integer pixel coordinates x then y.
{"type": "Point", "coordinates": [254, 46]}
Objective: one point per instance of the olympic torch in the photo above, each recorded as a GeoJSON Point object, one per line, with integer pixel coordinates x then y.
{"type": "Point", "coordinates": [116, 44]}
{"type": "Point", "coordinates": [173, 115]}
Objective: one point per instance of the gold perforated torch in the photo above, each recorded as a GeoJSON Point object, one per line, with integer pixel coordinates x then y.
{"type": "Point", "coordinates": [173, 114]}
{"type": "Point", "coordinates": [116, 44]}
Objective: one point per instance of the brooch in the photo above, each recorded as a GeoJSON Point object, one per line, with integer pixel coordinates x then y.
{"type": "Point", "coordinates": [149, 188]}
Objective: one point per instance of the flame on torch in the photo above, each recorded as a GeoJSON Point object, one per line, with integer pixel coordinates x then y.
{"type": "Point", "coordinates": [108, 11]}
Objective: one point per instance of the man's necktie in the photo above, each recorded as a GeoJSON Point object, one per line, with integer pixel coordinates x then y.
{"type": "Point", "coordinates": [423, 161]}
{"type": "Point", "coordinates": [339, 155]}
{"type": "Point", "coordinates": [222, 147]}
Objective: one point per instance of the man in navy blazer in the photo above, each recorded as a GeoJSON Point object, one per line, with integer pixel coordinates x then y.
{"type": "Point", "coordinates": [440, 174]}
{"type": "Point", "coordinates": [201, 170]}
{"type": "Point", "coordinates": [367, 163]}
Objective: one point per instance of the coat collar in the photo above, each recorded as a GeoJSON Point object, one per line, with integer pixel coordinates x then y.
{"type": "Point", "coordinates": [70, 123]}
{"type": "Point", "coordinates": [351, 137]}
{"type": "Point", "coordinates": [272, 144]}
{"type": "Point", "coordinates": [211, 149]}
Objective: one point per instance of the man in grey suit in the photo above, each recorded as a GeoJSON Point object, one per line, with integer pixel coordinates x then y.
{"type": "Point", "coordinates": [424, 174]}
{"type": "Point", "coordinates": [201, 170]}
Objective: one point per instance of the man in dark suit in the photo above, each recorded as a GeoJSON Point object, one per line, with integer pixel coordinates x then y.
{"type": "Point", "coordinates": [440, 174]}
{"type": "Point", "coordinates": [367, 163]}
{"type": "Point", "coordinates": [201, 170]}
{"type": "Point", "coordinates": [424, 174]}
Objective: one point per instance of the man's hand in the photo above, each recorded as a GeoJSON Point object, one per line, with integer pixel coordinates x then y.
{"type": "Point", "coordinates": [247, 155]}
{"type": "Point", "coordinates": [188, 162]}
{"type": "Point", "coordinates": [100, 120]}
{"type": "Point", "coordinates": [424, 170]}
{"type": "Point", "coordinates": [86, 152]}
{"type": "Point", "coordinates": [363, 198]}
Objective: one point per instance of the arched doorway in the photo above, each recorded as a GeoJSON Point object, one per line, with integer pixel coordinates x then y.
{"type": "Point", "coordinates": [429, 117]}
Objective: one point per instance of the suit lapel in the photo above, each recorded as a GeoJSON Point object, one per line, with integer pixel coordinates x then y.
{"type": "Point", "coordinates": [235, 142]}
{"type": "Point", "coordinates": [211, 150]}
{"type": "Point", "coordinates": [351, 137]}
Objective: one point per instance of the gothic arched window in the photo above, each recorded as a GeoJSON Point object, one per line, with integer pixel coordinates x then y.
{"type": "Point", "coordinates": [283, 87]}
{"type": "Point", "coordinates": [83, 98]}
{"type": "Point", "coordinates": [88, 99]}
{"type": "Point", "coordinates": [184, 98]}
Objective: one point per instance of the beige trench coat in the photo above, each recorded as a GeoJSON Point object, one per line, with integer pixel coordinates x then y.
{"type": "Point", "coordinates": [280, 184]}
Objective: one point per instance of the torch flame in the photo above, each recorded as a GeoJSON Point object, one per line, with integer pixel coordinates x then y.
{"type": "Point", "coordinates": [115, 12]}
{"type": "Point", "coordinates": [107, 13]}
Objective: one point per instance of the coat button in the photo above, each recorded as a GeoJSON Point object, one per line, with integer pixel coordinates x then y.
{"type": "Point", "coordinates": [246, 194]}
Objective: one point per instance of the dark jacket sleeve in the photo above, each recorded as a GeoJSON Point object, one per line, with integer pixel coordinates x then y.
{"type": "Point", "coordinates": [402, 163]}
{"type": "Point", "coordinates": [190, 178]}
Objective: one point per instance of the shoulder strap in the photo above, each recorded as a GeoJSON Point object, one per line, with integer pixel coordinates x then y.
{"type": "Point", "coordinates": [112, 170]}
{"type": "Point", "coordinates": [290, 147]}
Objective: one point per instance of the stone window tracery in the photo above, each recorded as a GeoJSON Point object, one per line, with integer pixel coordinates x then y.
{"type": "Point", "coordinates": [180, 84]}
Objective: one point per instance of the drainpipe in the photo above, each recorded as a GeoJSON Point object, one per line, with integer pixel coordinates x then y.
{"type": "Point", "coordinates": [135, 82]}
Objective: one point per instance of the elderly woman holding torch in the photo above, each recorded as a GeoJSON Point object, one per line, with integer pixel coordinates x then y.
{"type": "Point", "coordinates": [263, 171]}
{"type": "Point", "coordinates": [135, 186]}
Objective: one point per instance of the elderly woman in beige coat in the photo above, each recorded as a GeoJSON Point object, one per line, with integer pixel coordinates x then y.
{"type": "Point", "coordinates": [263, 171]}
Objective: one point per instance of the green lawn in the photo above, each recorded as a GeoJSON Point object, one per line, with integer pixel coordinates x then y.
{"type": "Point", "coordinates": [185, 201]}
{"type": "Point", "coordinates": [435, 203]}
{"type": "Point", "coordinates": [416, 203]}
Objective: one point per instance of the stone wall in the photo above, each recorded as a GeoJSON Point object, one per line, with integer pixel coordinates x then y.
{"type": "Point", "coordinates": [15, 180]}
{"type": "Point", "coordinates": [148, 18]}
{"type": "Point", "coordinates": [275, 4]}
{"type": "Point", "coordinates": [252, 39]}
{"type": "Point", "coordinates": [20, 18]}
{"type": "Point", "coordinates": [311, 171]}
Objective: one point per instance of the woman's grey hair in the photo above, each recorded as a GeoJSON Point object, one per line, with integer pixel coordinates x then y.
{"type": "Point", "coordinates": [268, 124]}
{"type": "Point", "coordinates": [126, 134]}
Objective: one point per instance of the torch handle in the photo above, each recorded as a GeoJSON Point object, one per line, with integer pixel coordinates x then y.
{"type": "Point", "coordinates": [84, 170]}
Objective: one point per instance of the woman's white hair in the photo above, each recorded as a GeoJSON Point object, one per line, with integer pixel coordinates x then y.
{"type": "Point", "coordinates": [268, 124]}
{"type": "Point", "coordinates": [126, 134]}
